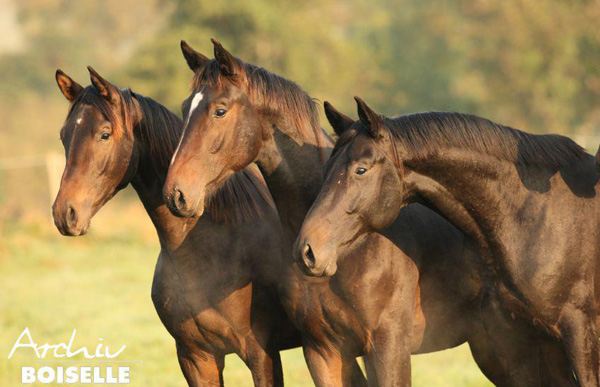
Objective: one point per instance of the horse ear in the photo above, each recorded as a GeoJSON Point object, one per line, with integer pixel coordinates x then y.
{"type": "Point", "coordinates": [228, 63]}
{"type": "Point", "coordinates": [372, 120]}
{"type": "Point", "coordinates": [194, 59]}
{"type": "Point", "coordinates": [339, 121]}
{"type": "Point", "coordinates": [104, 87]}
{"type": "Point", "coordinates": [67, 86]}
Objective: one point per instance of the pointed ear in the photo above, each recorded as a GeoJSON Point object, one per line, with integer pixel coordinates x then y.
{"type": "Point", "coordinates": [339, 121]}
{"type": "Point", "coordinates": [372, 120]}
{"type": "Point", "coordinates": [228, 63]}
{"type": "Point", "coordinates": [67, 86]}
{"type": "Point", "coordinates": [106, 89]}
{"type": "Point", "coordinates": [194, 59]}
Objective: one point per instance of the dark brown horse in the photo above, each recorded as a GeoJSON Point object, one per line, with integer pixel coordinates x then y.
{"type": "Point", "coordinates": [214, 286]}
{"type": "Point", "coordinates": [530, 202]}
{"type": "Point", "coordinates": [416, 297]}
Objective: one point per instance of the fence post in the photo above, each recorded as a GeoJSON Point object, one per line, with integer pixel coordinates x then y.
{"type": "Point", "coordinates": [55, 164]}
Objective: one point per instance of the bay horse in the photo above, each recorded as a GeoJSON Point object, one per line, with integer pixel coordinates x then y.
{"type": "Point", "coordinates": [214, 285]}
{"type": "Point", "coordinates": [417, 297]}
{"type": "Point", "coordinates": [530, 202]}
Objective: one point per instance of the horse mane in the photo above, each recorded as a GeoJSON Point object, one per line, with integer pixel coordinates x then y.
{"type": "Point", "coordinates": [271, 91]}
{"type": "Point", "coordinates": [242, 196]}
{"type": "Point", "coordinates": [159, 128]}
{"type": "Point", "coordinates": [424, 134]}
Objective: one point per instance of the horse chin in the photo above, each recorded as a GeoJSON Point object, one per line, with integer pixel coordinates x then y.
{"type": "Point", "coordinates": [75, 231]}
{"type": "Point", "coordinates": [189, 212]}
{"type": "Point", "coordinates": [177, 204]}
{"type": "Point", "coordinates": [330, 269]}
{"type": "Point", "coordinates": [81, 231]}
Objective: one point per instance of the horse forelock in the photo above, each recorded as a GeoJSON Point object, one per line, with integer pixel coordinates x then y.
{"type": "Point", "coordinates": [90, 97]}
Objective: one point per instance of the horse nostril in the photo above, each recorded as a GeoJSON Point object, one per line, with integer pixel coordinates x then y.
{"type": "Point", "coordinates": [71, 216]}
{"type": "Point", "coordinates": [179, 199]}
{"type": "Point", "coordinates": [308, 256]}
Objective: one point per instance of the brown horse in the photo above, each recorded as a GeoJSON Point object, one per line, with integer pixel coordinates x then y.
{"type": "Point", "coordinates": [418, 297]}
{"type": "Point", "coordinates": [214, 286]}
{"type": "Point", "coordinates": [530, 202]}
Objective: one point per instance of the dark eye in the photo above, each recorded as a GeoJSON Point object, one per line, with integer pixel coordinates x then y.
{"type": "Point", "coordinates": [361, 171]}
{"type": "Point", "coordinates": [105, 136]}
{"type": "Point", "coordinates": [220, 113]}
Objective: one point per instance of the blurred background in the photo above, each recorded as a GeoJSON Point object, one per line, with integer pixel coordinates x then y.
{"type": "Point", "coordinates": [525, 63]}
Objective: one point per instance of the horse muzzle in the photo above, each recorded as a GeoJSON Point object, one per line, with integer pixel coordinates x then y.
{"type": "Point", "coordinates": [180, 205]}
{"type": "Point", "coordinates": [313, 265]}
{"type": "Point", "coordinates": [69, 220]}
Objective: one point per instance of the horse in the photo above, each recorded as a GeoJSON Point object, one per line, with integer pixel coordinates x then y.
{"type": "Point", "coordinates": [215, 282]}
{"type": "Point", "coordinates": [417, 298]}
{"type": "Point", "coordinates": [528, 201]}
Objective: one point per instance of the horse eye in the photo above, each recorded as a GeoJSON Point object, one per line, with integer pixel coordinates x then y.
{"type": "Point", "coordinates": [105, 136]}
{"type": "Point", "coordinates": [361, 171]}
{"type": "Point", "coordinates": [220, 113]}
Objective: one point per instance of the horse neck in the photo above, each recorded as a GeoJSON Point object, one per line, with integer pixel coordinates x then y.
{"type": "Point", "coordinates": [148, 183]}
{"type": "Point", "coordinates": [477, 193]}
{"type": "Point", "coordinates": [292, 164]}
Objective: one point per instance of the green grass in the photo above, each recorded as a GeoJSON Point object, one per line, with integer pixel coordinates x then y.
{"type": "Point", "coordinates": [100, 285]}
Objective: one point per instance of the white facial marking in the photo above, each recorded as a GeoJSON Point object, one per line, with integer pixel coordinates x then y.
{"type": "Point", "coordinates": [195, 101]}
{"type": "Point", "coordinates": [178, 145]}
{"type": "Point", "coordinates": [79, 120]}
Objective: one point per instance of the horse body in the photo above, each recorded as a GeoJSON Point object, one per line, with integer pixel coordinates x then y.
{"type": "Point", "coordinates": [539, 231]}
{"type": "Point", "coordinates": [541, 274]}
{"type": "Point", "coordinates": [215, 282]}
{"type": "Point", "coordinates": [416, 298]}
{"type": "Point", "coordinates": [417, 256]}
{"type": "Point", "coordinates": [215, 301]}
{"type": "Point", "coordinates": [215, 291]}
{"type": "Point", "coordinates": [506, 203]}
{"type": "Point", "coordinates": [528, 202]}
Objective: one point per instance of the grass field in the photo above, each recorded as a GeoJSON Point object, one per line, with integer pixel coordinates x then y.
{"type": "Point", "coordinates": [100, 285]}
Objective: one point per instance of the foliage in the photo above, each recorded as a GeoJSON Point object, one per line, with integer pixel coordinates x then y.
{"type": "Point", "coordinates": [525, 63]}
{"type": "Point", "coordinates": [520, 62]}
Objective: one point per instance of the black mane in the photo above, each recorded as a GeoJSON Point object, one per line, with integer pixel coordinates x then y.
{"type": "Point", "coordinates": [424, 134]}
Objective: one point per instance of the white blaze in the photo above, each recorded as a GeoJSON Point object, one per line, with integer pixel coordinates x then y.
{"type": "Point", "coordinates": [195, 101]}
